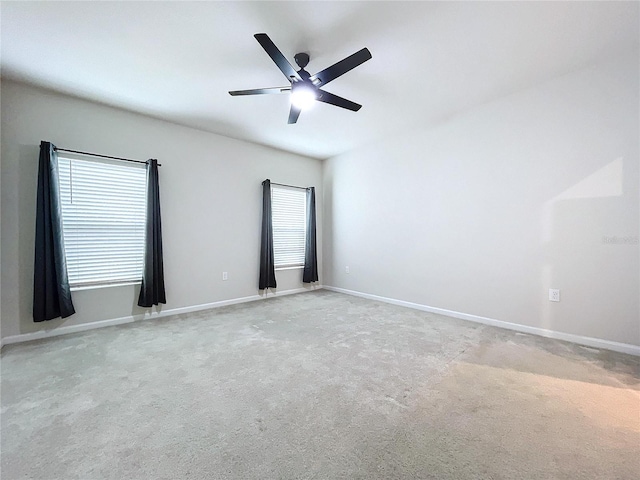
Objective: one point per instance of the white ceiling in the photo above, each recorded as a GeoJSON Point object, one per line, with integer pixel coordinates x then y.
{"type": "Point", "coordinates": [431, 60]}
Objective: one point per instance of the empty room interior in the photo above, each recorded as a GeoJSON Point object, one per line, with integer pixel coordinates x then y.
{"type": "Point", "coordinates": [320, 240]}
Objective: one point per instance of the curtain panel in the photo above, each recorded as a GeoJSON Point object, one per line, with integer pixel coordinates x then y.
{"type": "Point", "coordinates": [310, 273]}
{"type": "Point", "coordinates": [51, 291]}
{"type": "Point", "coordinates": [267, 263]}
{"type": "Point", "coordinates": [152, 290]}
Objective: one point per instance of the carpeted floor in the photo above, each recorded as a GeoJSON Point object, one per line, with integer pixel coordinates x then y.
{"type": "Point", "coordinates": [317, 385]}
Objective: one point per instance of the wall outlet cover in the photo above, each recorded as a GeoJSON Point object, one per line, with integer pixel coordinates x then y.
{"type": "Point", "coordinates": [554, 295]}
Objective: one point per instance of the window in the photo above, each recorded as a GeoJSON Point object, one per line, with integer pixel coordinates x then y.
{"type": "Point", "coordinates": [289, 217]}
{"type": "Point", "coordinates": [103, 219]}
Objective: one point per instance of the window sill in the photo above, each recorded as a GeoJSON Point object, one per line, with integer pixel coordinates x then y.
{"type": "Point", "coordinates": [295, 267]}
{"type": "Point", "coordinates": [104, 285]}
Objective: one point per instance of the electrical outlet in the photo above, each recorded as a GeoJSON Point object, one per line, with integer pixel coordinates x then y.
{"type": "Point", "coordinates": [346, 270]}
{"type": "Point", "coordinates": [554, 295]}
{"type": "Point", "coordinates": [224, 276]}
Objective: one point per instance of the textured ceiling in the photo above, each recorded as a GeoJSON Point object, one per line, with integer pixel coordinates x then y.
{"type": "Point", "coordinates": [431, 60]}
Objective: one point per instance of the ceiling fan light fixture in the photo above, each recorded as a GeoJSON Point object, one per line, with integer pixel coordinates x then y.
{"type": "Point", "coordinates": [303, 97]}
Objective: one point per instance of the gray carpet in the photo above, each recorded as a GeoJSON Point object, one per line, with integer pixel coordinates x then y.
{"type": "Point", "coordinates": [317, 385]}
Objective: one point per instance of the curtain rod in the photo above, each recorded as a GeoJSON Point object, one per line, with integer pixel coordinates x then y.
{"type": "Point", "coordinates": [291, 186]}
{"type": "Point", "coordinates": [102, 156]}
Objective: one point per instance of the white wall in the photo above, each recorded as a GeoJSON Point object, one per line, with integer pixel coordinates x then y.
{"type": "Point", "coordinates": [210, 188]}
{"type": "Point", "coordinates": [486, 212]}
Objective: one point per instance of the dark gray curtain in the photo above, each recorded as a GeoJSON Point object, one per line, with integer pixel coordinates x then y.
{"type": "Point", "coordinates": [51, 292]}
{"type": "Point", "coordinates": [267, 264]}
{"type": "Point", "coordinates": [152, 289]}
{"type": "Point", "coordinates": [310, 273]}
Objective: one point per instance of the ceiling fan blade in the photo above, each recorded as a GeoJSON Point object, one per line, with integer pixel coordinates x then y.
{"type": "Point", "coordinates": [277, 56]}
{"type": "Point", "coordinates": [294, 113]}
{"type": "Point", "coordinates": [332, 99]}
{"type": "Point", "coordinates": [260, 91]}
{"type": "Point", "coordinates": [343, 66]}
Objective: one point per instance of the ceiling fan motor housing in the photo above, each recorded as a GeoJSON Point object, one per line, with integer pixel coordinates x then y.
{"type": "Point", "coordinates": [302, 59]}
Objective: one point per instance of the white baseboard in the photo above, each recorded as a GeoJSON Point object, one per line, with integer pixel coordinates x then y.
{"type": "Point", "coordinates": [568, 337]}
{"type": "Point", "coordinates": [27, 337]}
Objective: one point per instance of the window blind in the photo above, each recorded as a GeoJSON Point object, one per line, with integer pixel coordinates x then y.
{"type": "Point", "coordinates": [103, 219]}
{"type": "Point", "coordinates": [289, 219]}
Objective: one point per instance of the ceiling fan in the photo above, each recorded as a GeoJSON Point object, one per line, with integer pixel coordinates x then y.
{"type": "Point", "coordinates": [305, 88]}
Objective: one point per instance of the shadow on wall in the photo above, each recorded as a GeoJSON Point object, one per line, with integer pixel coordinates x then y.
{"type": "Point", "coordinates": [27, 193]}
{"type": "Point", "coordinates": [595, 253]}
{"type": "Point", "coordinates": [327, 227]}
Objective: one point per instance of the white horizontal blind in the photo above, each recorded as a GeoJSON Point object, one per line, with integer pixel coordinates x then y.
{"type": "Point", "coordinates": [103, 219]}
{"type": "Point", "coordinates": [289, 216]}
